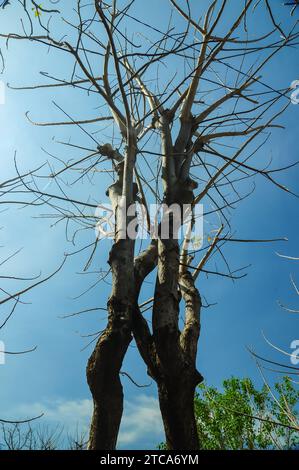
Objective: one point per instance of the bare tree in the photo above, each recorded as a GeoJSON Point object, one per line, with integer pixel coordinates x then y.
{"type": "Point", "coordinates": [25, 437]}
{"type": "Point", "coordinates": [186, 112]}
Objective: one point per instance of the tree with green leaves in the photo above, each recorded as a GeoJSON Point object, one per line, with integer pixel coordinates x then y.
{"type": "Point", "coordinates": [240, 416]}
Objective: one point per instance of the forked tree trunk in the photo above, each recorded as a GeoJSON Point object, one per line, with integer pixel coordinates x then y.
{"type": "Point", "coordinates": [176, 350]}
{"type": "Point", "coordinates": [170, 355]}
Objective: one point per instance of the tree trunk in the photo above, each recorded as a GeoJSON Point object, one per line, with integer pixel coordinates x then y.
{"type": "Point", "coordinates": [176, 351]}
{"type": "Point", "coordinates": [177, 409]}
{"type": "Point", "coordinates": [104, 365]}
{"type": "Point", "coordinates": [104, 382]}
{"type": "Point", "coordinates": [170, 355]}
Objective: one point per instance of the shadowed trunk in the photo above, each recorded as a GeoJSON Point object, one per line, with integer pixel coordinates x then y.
{"type": "Point", "coordinates": [105, 363]}
{"type": "Point", "coordinates": [176, 351]}
{"type": "Point", "coordinates": [177, 408]}
{"type": "Point", "coordinates": [103, 379]}
{"type": "Point", "coordinates": [170, 355]}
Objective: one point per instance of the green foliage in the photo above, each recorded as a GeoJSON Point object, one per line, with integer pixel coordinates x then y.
{"type": "Point", "coordinates": [228, 419]}
{"type": "Point", "coordinates": [225, 418]}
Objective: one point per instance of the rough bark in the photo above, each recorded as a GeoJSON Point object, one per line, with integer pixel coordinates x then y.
{"type": "Point", "coordinates": [176, 398]}
{"type": "Point", "coordinates": [176, 351]}
{"type": "Point", "coordinates": [104, 365]}
{"type": "Point", "coordinates": [170, 355]}
{"type": "Point", "coordinates": [103, 379]}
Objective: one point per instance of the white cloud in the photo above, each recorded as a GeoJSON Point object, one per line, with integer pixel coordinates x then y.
{"type": "Point", "coordinates": [141, 421]}
{"type": "Point", "coordinates": [68, 413]}
{"type": "Point", "coordinates": [141, 424]}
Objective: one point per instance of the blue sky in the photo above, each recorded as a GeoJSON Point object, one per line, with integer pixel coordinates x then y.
{"type": "Point", "coordinates": [52, 379]}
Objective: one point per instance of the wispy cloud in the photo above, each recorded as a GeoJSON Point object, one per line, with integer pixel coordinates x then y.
{"type": "Point", "coordinates": [141, 425]}
{"type": "Point", "coordinates": [71, 414]}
